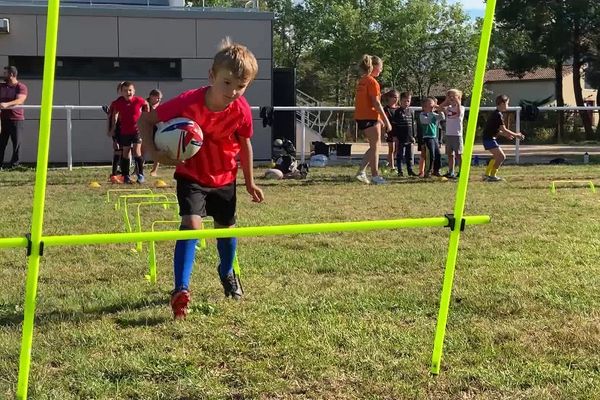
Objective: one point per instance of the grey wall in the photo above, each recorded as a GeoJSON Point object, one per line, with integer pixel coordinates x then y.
{"type": "Point", "coordinates": [193, 35]}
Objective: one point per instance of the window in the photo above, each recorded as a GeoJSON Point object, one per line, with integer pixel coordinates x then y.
{"type": "Point", "coordinates": [101, 68]}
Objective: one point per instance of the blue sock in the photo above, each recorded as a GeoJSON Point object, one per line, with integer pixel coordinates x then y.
{"type": "Point", "coordinates": [226, 247]}
{"type": "Point", "coordinates": [183, 261]}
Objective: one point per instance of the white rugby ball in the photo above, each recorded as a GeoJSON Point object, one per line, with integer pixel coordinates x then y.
{"type": "Point", "coordinates": [273, 173]}
{"type": "Point", "coordinates": [181, 138]}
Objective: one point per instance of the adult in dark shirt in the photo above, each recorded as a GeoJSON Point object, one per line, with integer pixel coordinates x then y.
{"type": "Point", "coordinates": [493, 128]}
{"type": "Point", "coordinates": [12, 93]}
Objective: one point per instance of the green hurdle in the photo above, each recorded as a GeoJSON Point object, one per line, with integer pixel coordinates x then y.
{"type": "Point", "coordinates": [138, 216]}
{"type": "Point", "coordinates": [151, 276]}
{"type": "Point", "coordinates": [590, 184]}
{"type": "Point", "coordinates": [117, 191]}
{"type": "Point", "coordinates": [125, 200]}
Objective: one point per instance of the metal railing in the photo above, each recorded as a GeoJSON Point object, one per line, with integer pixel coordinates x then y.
{"type": "Point", "coordinates": [304, 112]}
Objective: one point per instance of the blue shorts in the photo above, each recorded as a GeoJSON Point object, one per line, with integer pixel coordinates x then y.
{"type": "Point", "coordinates": [490, 144]}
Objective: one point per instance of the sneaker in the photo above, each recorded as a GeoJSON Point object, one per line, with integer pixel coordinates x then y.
{"type": "Point", "coordinates": [411, 173]}
{"type": "Point", "coordinates": [179, 303]}
{"type": "Point", "coordinates": [494, 179]}
{"type": "Point", "coordinates": [363, 178]}
{"type": "Point", "coordinates": [450, 175]}
{"type": "Point", "coordinates": [127, 180]}
{"type": "Point", "coordinates": [118, 179]}
{"type": "Point", "coordinates": [437, 173]}
{"type": "Point", "coordinates": [400, 173]}
{"type": "Point", "coordinates": [484, 177]}
{"type": "Point", "coordinates": [232, 286]}
{"type": "Point", "coordinates": [140, 178]}
{"type": "Point", "coordinates": [378, 180]}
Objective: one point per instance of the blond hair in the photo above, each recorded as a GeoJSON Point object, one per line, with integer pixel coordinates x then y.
{"type": "Point", "coordinates": [456, 92]}
{"type": "Point", "coordinates": [367, 63]}
{"type": "Point", "coordinates": [237, 59]}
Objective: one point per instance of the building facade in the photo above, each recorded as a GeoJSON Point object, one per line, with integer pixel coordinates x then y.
{"type": "Point", "coordinates": [537, 85]}
{"type": "Point", "coordinates": [100, 45]}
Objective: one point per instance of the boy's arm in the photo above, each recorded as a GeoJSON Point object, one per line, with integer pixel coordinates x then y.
{"type": "Point", "coordinates": [504, 131]}
{"type": "Point", "coordinates": [246, 157]}
{"type": "Point", "coordinates": [146, 127]}
{"type": "Point", "coordinates": [112, 123]}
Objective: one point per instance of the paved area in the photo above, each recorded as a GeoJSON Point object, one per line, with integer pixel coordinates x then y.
{"type": "Point", "coordinates": [528, 153]}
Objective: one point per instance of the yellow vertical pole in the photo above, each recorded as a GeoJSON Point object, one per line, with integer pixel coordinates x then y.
{"type": "Point", "coordinates": [39, 194]}
{"type": "Point", "coordinates": [461, 192]}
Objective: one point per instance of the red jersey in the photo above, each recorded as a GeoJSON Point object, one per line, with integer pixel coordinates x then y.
{"type": "Point", "coordinates": [214, 165]}
{"type": "Point", "coordinates": [129, 113]}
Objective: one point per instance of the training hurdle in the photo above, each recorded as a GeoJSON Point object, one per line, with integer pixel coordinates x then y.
{"type": "Point", "coordinates": [589, 184]}
{"type": "Point", "coordinates": [141, 198]}
{"type": "Point", "coordinates": [36, 241]}
{"type": "Point", "coordinates": [138, 216]}
{"type": "Point", "coordinates": [151, 276]}
{"type": "Point", "coordinates": [124, 191]}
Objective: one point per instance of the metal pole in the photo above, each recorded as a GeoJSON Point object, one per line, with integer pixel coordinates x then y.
{"type": "Point", "coordinates": [303, 138]}
{"type": "Point", "coordinates": [518, 142]}
{"type": "Point", "coordinates": [70, 138]}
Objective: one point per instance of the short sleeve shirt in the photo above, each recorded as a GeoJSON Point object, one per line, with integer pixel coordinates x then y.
{"type": "Point", "coordinates": [492, 127]}
{"type": "Point", "coordinates": [10, 93]}
{"type": "Point", "coordinates": [430, 122]}
{"type": "Point", "coordinates": [366, 88]}
{"type": "Point", "coordinates": [129, 113]}
{"type": "Point", "coordinates": [215, 163]}
{"type": "Point", "coordinates": [454, 120]}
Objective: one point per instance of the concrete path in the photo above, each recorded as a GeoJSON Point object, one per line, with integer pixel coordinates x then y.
{"type": "Point", "coordinates": [528, 153]}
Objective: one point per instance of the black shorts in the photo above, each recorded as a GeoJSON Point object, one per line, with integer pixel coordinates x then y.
{"type": "Point", "coordinates": [366, 123]}
{"type": "Point", "coordinates": [129, 140]}
{"type": "Point", "coordinates": [195, 199]}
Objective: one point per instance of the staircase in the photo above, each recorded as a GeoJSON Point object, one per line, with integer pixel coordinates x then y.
{"type": "Point", "coordinates": [312, 119]}
{"type": "Point", "coordinates": [312, 122]}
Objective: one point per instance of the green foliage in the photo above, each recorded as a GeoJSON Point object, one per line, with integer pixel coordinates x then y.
{"type": "Point", "coordinates": [426, 45]}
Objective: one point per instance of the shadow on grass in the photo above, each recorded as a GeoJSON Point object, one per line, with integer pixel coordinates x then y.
{"type": "Point", "coordinates": [86, 314]}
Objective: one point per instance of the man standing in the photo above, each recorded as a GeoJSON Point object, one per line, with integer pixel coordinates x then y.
{"type": "Point", "coordinates": [12, 93]}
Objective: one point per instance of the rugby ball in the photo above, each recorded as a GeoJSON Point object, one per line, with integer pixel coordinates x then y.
{"type": "Point", "coordinates": [181, 138]}
{"type": "Point", "coordinates": [273, 173]}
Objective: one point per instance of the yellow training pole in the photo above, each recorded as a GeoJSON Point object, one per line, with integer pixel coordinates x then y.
{"type": "Point", "coordinates": [39, 194]}
{"type": "Point", "coordinates": [461, 193]}
{"type": "Point", "coordinates": [255, 231]}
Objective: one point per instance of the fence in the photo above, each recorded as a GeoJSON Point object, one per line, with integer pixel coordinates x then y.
{"type": "Point", "coordinates": [304, 115]}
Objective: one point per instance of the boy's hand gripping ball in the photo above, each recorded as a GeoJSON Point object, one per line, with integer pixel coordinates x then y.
{"type": "Point", "coordinates": [180, 138]}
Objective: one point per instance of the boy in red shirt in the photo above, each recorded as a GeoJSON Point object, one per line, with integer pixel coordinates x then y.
{"type": "Point", "coordinates": [206, 182]}
{"type": "Point", "coordinates": [126, 110]}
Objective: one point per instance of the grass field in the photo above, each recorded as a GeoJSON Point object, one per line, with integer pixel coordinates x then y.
{"type": "Point", "coordinates": [336, 316]}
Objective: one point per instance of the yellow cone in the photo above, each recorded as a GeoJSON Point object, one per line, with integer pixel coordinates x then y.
{"type": "Point", "coordinates": [161, 184]}
{"type": "Point", "coordinates": [94, 184]}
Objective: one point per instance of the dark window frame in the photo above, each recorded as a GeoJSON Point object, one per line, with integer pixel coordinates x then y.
{"type": "Point", "coordinates": [101, 68]}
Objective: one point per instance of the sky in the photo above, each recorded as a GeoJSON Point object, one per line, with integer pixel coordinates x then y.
{"type": "Point", "coordinates": [475, 8]}
{"type": "Point", "coordinates": [470, 4]}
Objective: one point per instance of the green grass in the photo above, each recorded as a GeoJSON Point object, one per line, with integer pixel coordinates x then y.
{"type": "Point", "coordinates": [335, 316]}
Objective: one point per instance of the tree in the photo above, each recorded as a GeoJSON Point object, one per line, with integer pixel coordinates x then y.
{"type": "Point", "coordinates": [423, 53]}
{"type": "Point", "coordinates": [553, 32]}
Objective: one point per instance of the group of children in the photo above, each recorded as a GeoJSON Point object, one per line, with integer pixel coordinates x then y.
{"type": "Point", "coordinates": [402, 136]}
{"type": "Point", "coordinates": [123, 115]}
{"type": "Point", "coordinates": [400, 121]}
